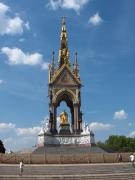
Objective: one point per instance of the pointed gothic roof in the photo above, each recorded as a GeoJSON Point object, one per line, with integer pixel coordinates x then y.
{"type": "Point", "coordinates": [60, 71]}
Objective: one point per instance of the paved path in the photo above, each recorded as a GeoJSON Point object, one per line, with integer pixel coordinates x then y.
{"type": "Point", "coordinates": [121, 171]}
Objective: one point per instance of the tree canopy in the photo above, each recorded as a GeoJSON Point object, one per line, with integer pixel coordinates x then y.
{"type": "Point", "coordinates": [2, 148]}
{"type": "Point", "coordinates": [118, 144]}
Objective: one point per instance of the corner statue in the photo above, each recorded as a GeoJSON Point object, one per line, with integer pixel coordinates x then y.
{"type": "Point", "coordinates": [64, 118]}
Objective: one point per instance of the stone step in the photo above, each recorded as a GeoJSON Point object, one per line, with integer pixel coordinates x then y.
{"type": "Point", "coordinates": [70, 177]}
{"type": "Point", "coordinates": [68, 150]}
{"type": "Point", "coordinates": [122, 171]}
{"type": "Point", "coordinates": [66, 169]}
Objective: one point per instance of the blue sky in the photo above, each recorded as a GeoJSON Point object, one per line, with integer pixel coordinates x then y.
{"type": "Point", "coordinates": [102, 32]}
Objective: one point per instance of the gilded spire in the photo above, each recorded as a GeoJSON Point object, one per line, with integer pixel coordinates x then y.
{"type": "Point", "coordinates": [63, 52]}
{"type": "Point", "coordinates": [63, 24]}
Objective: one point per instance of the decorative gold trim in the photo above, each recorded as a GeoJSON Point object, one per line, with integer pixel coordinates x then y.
{"type": "Point", "coordinates": [59, 71]}
{"type": "Point", "coordinates": [61, 92]}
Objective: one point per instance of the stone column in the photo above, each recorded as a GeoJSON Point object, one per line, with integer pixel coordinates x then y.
{"type": "Point", "coordinates": [75, 117]}
{"type": "Point", "coordinates": [53, 117]}
{"type": "Point", "coordinates": [72, 118]}
{"type": "Point", "coordinates": [80, 120]}
{"type": "Point", "coordinates": [54, 122]}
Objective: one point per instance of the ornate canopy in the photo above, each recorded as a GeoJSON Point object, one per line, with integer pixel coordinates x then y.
{"type": "Point", "coordinates": [65, 85]}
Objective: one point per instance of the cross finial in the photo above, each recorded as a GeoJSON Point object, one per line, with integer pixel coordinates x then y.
{"type": "Point", "coordinates": [76, 54]}
{"type": "Point", "coordinates": [63, 19]}
{"type": "Point", "coordinates": [63, 24]}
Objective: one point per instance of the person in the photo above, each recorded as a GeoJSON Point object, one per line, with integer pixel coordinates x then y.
{"type": "Point", "coordinates": [119, 158]}
{"type": "Point", "coordinates": [132, 159]}
{"type": "Point", "coordinates": [21, 167]}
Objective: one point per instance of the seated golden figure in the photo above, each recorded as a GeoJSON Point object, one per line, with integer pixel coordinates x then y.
{"type": "Point", "coordinates": [64, 118]}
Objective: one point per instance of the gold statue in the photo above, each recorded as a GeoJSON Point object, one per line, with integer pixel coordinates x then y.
{"type": "Point", "coordinates": [64, 118]}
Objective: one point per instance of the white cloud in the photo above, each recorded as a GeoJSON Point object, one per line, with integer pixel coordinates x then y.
{"type": "Point", "coordinates": [21, 40]}
{"type": "Point", "coordinates": [120, 115]}
{"type": "Point", "coordinates": [16, 138]}
{"type": "Point", "coordinates": [27, 25]}
{"type": "Point", "coordinates": [28, 131]}
{"type": "Point", "coordinates": [67, 4]}
{"type": "Point", "coordinates": [25, 144]}
{"type": "Point", "coordinates": [8, 141]}
{"type": "Point", "coordinates": [95, 20]}
{"type": "Point", "coordinates": [99, 126]}
{"type": "Point", "coordinates": [132, 134]}
{"type": "Point", "coordinates": [44, 66]}
{"type": "Point", "coordinates": [1, 81]}
{"type": "Point", "coordinates": [54, 4]}
{"type": "Point", "coordinates": [6, 126]}
{"type": "Point", "coordinates": [3, 8]}
{"type": "Point", "coordinates": [17, 57]}
{"type": "Point", "coordinates": [10, 25]}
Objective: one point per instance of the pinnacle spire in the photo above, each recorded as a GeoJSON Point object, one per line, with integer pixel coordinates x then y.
{"type": "Point", "coordinates": [76, 58]}
{"type": "Point", "coordinates": [53, 63]}
{"type": "Point", "coordinates": [76, 66]}
{"type": "Point", "coordinates": [63, 52]}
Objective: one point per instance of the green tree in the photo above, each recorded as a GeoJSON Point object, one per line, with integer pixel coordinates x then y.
{"type": "Point", "coordinates": [119, 144]}
{"type": "Point", "coordinates": [2, 148]}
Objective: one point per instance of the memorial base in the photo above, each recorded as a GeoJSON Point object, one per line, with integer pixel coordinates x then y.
{"type": "Point", "coordinates": [65, 136]}
{"type": "Point", "coordinates": [63, 139]}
